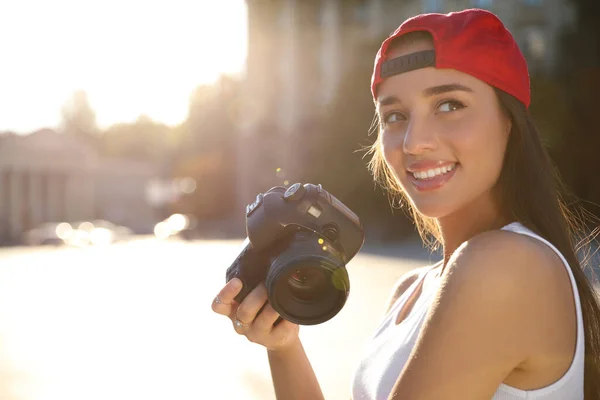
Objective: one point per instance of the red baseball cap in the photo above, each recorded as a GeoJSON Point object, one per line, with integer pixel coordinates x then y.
{"type": "Point", "coordinates": [472, 41]}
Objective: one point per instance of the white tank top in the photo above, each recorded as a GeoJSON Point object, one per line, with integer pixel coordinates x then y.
{"type": "Point", "coordinates": [388, 350]}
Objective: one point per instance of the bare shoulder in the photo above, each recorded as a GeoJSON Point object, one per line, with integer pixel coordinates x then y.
{"type": "Point", "coordinates": [404, 283]}
{"type": "Point", "coordinates": [500, 306]}
{"type": "Point", "coordinates": [507, 257]}
{"type": "Point", "coordinates": [518, 278]}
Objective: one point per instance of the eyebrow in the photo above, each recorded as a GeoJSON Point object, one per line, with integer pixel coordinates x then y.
{"type": "Point", "coordinates": [453, 87]}
{"type": "Point", "coordinates": [432, 91]}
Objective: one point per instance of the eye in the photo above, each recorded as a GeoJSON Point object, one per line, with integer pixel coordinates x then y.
{"type": "Point", "coordinates": [392, 117]}
{"type": "Point", "coordinates": [450, 105]}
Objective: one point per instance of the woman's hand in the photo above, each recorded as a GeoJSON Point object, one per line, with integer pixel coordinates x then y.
{"type": "Point", "coordinates": [254, 317]}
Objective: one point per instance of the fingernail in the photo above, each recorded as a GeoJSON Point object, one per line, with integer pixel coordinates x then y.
{"type": "Point", "coordinates": [236, 283]}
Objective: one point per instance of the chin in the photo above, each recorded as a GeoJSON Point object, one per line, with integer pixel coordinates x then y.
{"type": "Point", "coordinates": [433, 212]}
{"type": "Point", "coordinates": [432, 208]}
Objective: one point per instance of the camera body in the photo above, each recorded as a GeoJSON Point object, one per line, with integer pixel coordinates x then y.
{"type": "Point", "coordinates": [298, 242]}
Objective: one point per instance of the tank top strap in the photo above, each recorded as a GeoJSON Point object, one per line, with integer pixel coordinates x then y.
{"type": "Point", "coordinates": [580, 347]}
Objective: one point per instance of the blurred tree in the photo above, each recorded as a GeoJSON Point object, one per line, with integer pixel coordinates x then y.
{"type": "Point", "coordinates": [579, 75]}
{"type": "Point", "coordinates": [206, 151]}
{"type": "Point", "coordinates": [211, 121]}
{"type": "Point", "coordinates": [212, 197]}
{"type": "Point", "coordinates": [143, 139]}
{"type": "Point", "coordinates": [78, 116]}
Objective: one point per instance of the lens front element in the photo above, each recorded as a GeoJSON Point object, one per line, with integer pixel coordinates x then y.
{"type": "Point", "coordinates": [307, 284]}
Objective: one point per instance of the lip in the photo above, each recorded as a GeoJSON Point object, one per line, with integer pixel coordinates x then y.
{"type": "Point", "coordinates": [424, 165]}
{"type": "Point", "coordinates": [429, 184]}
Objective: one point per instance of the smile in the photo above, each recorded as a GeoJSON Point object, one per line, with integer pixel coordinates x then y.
{"type": "Point", "coordinates": [432, 178]}
{"type": "Point", "coordinates": [434, 172]}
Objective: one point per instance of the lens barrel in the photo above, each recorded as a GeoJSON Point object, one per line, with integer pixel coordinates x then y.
{"type": "Point", "coordinates": [308, 282]}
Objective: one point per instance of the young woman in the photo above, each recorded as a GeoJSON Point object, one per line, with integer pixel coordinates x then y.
{"type": "Point", "coordinates": [508, 312]}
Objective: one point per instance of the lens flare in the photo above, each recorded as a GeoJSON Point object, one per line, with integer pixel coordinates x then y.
{"type": "Point", "coordinates": [337, 279]}
{"type": "Point", "coordinates": [162, 230]}
{"type": "Point", "coordinates": [178, 222]}
{"type": "Point", "coordinates": [64, 230]}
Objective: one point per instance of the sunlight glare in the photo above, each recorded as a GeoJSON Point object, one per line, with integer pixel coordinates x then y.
{"type": "Point", "coordinates": [131, 57]}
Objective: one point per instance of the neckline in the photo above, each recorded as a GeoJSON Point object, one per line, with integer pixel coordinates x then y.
{"type": "Point", "coordinates": [418, 283]}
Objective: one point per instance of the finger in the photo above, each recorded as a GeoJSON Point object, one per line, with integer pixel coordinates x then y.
{"type": "Point", "coordinates": [248, 309]}
{"type": "Point", "coordinates": [266, 318]}
{"type": "Point", "coordinates": [240, 326]}
{"type": "Point", "coordinates": [223, 302]}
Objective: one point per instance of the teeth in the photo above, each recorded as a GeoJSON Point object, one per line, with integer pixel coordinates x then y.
{"type": "Point", "coordinates": [431, 173]}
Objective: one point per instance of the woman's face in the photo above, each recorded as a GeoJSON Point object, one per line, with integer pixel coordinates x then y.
{"type": "Point", "coordinates": [443, 134]}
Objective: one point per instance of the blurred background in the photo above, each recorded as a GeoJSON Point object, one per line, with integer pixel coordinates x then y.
{"type": "Point", "coordinates": [133, 134]}
{"type": "Point", "coordinates": [126, 115]}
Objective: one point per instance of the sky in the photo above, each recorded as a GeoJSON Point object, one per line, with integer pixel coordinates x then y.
{"type": "Point", "coordinates": [132, 57]}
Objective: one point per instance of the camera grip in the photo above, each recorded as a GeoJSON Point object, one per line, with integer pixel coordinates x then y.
{"type": "Point", "coordinates": [250, 267]}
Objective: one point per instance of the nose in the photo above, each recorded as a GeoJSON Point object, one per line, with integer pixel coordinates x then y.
{"type": "Point", "coordinates": [419, 138]}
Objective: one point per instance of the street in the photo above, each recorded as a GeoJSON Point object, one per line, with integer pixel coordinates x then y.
{"type": "Point", "coordinates": [134, 321]}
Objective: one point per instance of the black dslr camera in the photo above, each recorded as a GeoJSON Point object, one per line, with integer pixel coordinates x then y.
{"type": "Point", "coordinates": [298, 242]}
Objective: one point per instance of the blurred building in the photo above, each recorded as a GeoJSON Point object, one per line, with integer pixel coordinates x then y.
{"type": "Point", "coordinates": [299, 49]}
{"type": "Point", "coordinates": [52, 177]}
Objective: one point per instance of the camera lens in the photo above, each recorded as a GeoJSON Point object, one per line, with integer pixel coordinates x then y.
{"type": "Point", "coordinates": [307, 284]}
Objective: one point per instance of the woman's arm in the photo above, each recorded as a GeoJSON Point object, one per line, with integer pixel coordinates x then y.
{"type": "Point", "coordinates": [293, 376]}
{"type": "Point", "coordinates": [490, 310]}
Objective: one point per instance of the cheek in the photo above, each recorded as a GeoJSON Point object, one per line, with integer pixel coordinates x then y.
{"type": "Point", "coordinates": [391, 148]}
{"type": "Point", "coordinates": [386, 147]}
{"type": "Point", "coordinates": [481, 146]}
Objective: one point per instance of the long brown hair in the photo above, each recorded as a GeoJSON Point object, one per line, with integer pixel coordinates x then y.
{"type": "Point", "coordinates": [532, 191]}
